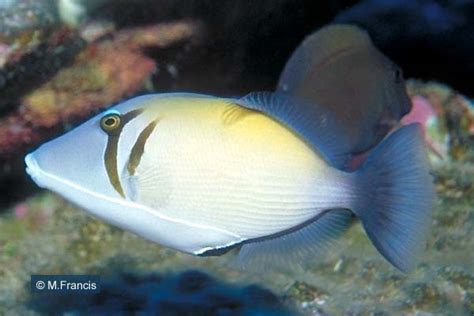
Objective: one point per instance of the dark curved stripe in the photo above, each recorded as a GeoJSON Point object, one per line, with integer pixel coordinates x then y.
{"type": "Point", "coordinates": [110, 158]}
{"type": "Point", "coordinates": [139, 148]}
{"type": "Point", "coordinates": [111, 152]}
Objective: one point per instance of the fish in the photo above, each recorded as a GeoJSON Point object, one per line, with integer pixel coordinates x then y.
{"type": "Point", "coordinates": [338, 67]}
{"type": "Point", "coordinates": [205, 175]}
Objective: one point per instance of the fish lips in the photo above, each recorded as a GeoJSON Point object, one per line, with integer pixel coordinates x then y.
{"type": "Point", "coordinates": [33, 170]}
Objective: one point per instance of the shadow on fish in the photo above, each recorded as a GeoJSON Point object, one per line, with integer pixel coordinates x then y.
{"type": "Point", "coordinates": [264, 173]}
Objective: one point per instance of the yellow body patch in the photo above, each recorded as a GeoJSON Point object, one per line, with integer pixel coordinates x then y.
{"type": "Point", "coordinates": [247, 127]}
{"type": "Point", "coordinates": [212, 162]}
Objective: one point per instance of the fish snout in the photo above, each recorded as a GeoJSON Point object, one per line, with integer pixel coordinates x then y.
{"type": "Point", "coordinates": [32, 167]}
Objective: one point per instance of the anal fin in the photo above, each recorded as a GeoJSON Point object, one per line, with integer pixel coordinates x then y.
{"type": "Point", "coordinates": [296, 248]}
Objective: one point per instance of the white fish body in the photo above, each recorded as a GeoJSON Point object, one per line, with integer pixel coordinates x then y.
{"type": "Point", "coordinates": [231, 168]}
{"type": "Point", "coordinates": [198, 174]}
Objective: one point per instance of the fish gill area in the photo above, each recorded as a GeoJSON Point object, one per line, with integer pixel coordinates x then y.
{"type": "Point", "coordinates": [63, 61]}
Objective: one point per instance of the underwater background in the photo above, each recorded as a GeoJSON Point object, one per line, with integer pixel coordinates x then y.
{"type": "Point", "coordinates": [62, 61]}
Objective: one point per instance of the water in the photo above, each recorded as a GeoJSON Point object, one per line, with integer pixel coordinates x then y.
{"type": "Point", "coordinates": [60, 67]}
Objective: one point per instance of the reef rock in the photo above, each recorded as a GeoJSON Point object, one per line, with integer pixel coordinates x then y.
{"type": "Point", "coordinates": [105, 72]}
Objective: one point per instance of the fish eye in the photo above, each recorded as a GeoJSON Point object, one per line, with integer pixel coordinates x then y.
{"type": "Point", "coordinates": [110, 122]}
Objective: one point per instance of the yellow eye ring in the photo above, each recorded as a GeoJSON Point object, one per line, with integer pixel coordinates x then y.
{"type": "Point", "coordinates": [110, 122]}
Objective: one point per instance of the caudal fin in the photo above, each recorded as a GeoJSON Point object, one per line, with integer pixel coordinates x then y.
{"type": "Point", "coordinates": [398, 201]}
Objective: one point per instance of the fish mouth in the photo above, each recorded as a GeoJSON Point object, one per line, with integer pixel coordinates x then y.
{"type": "Point", "coordinates": [33, 169]}
{"type": "Point", "coordinates": [31, 165]}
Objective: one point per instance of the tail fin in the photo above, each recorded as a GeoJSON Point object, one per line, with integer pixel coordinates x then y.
{"type": "Point", "coordinates": [396, 207]}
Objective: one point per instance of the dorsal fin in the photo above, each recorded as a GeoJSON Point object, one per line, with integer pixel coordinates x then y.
{"type": "Point", "coordinates": [316, 125]}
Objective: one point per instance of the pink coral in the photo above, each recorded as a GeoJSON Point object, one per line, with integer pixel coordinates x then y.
{"type": "Point", "coordinates": [422, 111]}
{"type": "Point", "coordinates": [21, 210]}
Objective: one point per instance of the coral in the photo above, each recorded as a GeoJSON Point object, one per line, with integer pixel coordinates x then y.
{"type": "Point", "coordinates": [105, 72]}
{"type": "Point", "coordinates": [24, 25]}
{"type": "Point", "coordinates": [450, 125]}
{"type": "Point", "coordinates": [74, 12]}
{"type": "Point", "coordinates": [309, 298]}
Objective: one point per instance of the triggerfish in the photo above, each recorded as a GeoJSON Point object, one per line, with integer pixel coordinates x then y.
{"type": "Point", "coordinates": [339, 68]}
{"type": "Point", "coordinates": [203, 175]}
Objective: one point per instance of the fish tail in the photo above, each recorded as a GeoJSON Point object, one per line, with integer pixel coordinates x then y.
{"type": "Point", "coordinates": [398, 196]}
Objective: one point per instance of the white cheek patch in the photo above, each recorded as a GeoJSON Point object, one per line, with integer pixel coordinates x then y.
{"type": "Point", "coordinates": [131, 149]}
{"type": "Point", "coordinates": [130, 185]}
{"type": "Point", "coordinates": [128, 137]}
